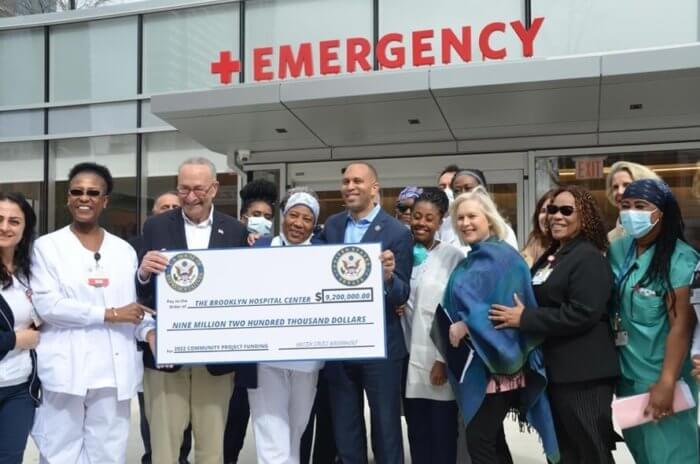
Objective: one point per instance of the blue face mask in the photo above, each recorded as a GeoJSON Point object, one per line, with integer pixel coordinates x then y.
{"type": "Point", "coordinates": [636, 223]}
{"type": "Point", "coordinates": [420, 254]}
{"type": "Point", "coordinates": [259, 225]}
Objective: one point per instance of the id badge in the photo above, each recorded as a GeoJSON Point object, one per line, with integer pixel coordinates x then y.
{"type": "Point", "coordinates": [541, 276]}
{"type": "Point", "coordinates": [98, 278]}
{"type": "Point", "coordinates": [621, 338]}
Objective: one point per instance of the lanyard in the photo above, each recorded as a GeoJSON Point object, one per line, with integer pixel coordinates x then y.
{"type": "Point", "coordinates": [621, 279]}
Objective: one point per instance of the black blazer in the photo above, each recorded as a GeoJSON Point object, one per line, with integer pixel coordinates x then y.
{"type": "Point", "coordinates": [395, 237]}
{"type": "Point", "coordinates": [8, 340]}
{"type": "Point", "coordinates": [166, 231]}
{"type": "Point", "coordinates": [573, 315]}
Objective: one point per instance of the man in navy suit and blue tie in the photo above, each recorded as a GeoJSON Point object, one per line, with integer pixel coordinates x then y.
{"type": "Point", "coordinates": [365, 222]}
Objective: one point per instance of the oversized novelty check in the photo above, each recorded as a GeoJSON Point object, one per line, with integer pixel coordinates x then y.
{"type": "Point", "coordinates": [271, 304]}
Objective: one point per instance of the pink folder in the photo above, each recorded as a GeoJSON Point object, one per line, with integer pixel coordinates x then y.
{"type": "Point", "coordinates": [629, 411]}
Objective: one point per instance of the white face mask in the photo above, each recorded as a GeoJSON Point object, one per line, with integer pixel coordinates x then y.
{"type": "Point", "coordinates": [259, 225]}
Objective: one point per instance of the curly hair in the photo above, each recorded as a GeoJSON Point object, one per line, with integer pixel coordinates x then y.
{"type": "Point", "coordinates": [22, 257]}
{"type": "Point", "coordinates": [592, 225]}
{"type": "Point", "coordinates": [258, 190]}
{"type": "Point", "coordinates": [93, 168]}
{"type": "Point", "coordinates": [435, 196]}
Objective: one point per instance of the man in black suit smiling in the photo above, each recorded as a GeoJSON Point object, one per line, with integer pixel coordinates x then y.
{"type": "Point", "coordinates": [199, 394]}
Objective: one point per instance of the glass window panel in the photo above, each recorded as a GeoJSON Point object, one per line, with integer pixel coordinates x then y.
{"type": "Point", "coordinates": [93, 60]}
{"type": "Point", "coordinates": [92, 118]}
{"type": "Point", "coordinates": [270, 23]}
{"type": "Point", "coordinates": [118, 153]}
{"type": "Point", "coordinates": [165, 151]}
{"type": "Point", "coordinates": [594, 26]}
{"type": "Point", "coordinates": [179, 46]}
{"type": "Point", "coordinates": [22, 65]}
{"type": "Point", "coordinates": [21, 123]}
{"type": "Point", "coordinates": [680, 169]}
{"type": "Point", "coordinates": [22, 168]}
{"type": "Point", "coordinates": [407, 16]}
{"type": "Point", "coordinates": [148, 119]}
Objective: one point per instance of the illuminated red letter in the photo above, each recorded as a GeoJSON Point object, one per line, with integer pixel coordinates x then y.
{"type": "Point", "coordinates": [355, 56]}
{"type": "Point", "coordinates": [327, 55]}
{"type": "Point", "coordinates": [398, 53]}
{"type": "Point", "coordinates": [486, 50]}
{"type": "Point", "coordinates": [294, 64]}
{"type": "Point", "coordinates": [527, 36]}
{"type": "Point", "coordinates": [418, 46]}
{"type": "Point", "coordinates": [261, 61]}
{"type": "Point", "coordinates": [451, 42]}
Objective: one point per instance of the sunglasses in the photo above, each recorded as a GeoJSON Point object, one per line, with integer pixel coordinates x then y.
{"type": "Point", "coordinates": [89, 192]}
{"type": "Point", "coordinates": [565, 210]}
{"type": "Point", "coordinates": [403, 208]}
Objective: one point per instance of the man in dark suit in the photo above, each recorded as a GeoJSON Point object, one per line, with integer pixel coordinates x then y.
{"type": "Point", "coordinates": [365, 222]}
{"type": "Point", "coordinates": [176, 396]}
{"type": "Point", "coordinates": [162, 204]}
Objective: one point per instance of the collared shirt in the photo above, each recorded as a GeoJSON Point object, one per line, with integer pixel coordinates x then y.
{"type": "Point", "coordinates": [355, 229]}
{"type": "Point", "coordinates": [197, 235]}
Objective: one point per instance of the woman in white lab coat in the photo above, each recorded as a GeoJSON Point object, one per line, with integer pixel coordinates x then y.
{"type": "Point", "coordinates": [85, 295]}
{"type": "Point", "coordinates": [281, 404]}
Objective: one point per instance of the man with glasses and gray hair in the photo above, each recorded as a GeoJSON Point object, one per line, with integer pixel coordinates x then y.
{"type": "Point", "coordinates": [176, 395]}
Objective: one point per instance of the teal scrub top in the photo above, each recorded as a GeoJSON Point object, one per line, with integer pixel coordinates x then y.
{"type": "Point", "coordinates": [643, 310]}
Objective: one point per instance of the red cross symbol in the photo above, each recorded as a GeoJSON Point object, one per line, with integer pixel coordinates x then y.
{"type": "Point", "coordinates": [225, 67]}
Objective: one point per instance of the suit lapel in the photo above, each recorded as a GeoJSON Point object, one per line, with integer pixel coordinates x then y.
{"type": "Point", "coordinates": [217, 237]}
{"type": "Point", "coordinates": [179, 237]}
{"type": "Point", "coordinates": [376, 228]}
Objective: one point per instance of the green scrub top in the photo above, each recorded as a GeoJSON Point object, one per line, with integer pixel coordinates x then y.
{"type": "Point", "coordinates": [643, 309]}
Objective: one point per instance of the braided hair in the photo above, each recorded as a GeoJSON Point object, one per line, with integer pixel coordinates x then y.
{"type": "Point", "coordinates": [592, 226]}
{"type": "Point", "coordinates": [436, 197]}
{"type": "Point", "coordinates": [22, 257]}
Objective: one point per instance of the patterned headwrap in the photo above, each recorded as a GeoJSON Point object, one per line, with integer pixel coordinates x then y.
{"type": "Point", "coordinates": [654, 191]}
{"type": "Point", "coordinates": [410, 192]}
{"type": "Point", "coordinates": [305, 199]}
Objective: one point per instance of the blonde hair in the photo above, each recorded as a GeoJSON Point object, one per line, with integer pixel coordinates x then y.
{"type": "Point", "coordinates": [497, 224]}
{"type": "Point", "coordinates": [636, 172]}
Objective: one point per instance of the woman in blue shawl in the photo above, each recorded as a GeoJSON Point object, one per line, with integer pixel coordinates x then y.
{"type": "Point", "coordinates": [501, 370]}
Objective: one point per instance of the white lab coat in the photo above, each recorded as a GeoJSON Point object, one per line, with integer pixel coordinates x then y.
{"type": "Point", "coordinates": [69, 306]}
{"type": "Point", "coordinates": [428, 284]}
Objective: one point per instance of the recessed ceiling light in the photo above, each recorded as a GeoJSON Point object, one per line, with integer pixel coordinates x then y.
{"type": "Point", "coordinates": [414, 121]}
{"type": "Point", "coordinates": [281, 130]}
{"type": "Point", "coordinates": [636, 106]}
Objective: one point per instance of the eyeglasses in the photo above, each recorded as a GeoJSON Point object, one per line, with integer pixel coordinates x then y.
{"type": "Point", "coordinates": [403, 208]}
{"type": "Point", "coordinates": [566, 210]}
{"type": "Point", "coordinates": [198, 191]}
{"type": "Point", "coordinates": [80, 192]}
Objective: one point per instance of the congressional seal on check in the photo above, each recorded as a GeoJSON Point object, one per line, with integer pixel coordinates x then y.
{"type": "Point", "coordinates": [271, 304]}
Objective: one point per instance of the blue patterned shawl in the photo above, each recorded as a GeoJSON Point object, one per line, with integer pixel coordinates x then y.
{"type": "Point", "coordinates": [491, 274]}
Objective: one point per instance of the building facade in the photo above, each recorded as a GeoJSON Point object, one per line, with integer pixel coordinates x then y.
{"type": "Point", "coordinates": [532, 92]}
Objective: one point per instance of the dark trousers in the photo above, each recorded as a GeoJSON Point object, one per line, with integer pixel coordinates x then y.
{"type": "Point", "coordinates": [381, 381]}
{"type": "Point", "coordinates": [432, 430]}
{"type": "Point", "coordinates": [319, 431]}
{"type": "Point", "coordinates": [16, 419]}
{"type": "Point", "coordinates": [236, 424]}
{"type": "Point", "coordinates": [583, 421]}
{"type": "Point", "coordinates": [486, 439]}
{"type": "Point", "coordinates": [146, 437]}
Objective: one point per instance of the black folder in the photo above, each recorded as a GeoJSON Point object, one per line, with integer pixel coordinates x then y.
{"type": "Point", "coordinates": [458, 359]}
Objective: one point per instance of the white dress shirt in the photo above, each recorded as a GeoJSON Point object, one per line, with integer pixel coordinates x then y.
{"type": "Point", "coordinates": [79, 350]}
{"type": "Point", "coordinates": [198, 235]}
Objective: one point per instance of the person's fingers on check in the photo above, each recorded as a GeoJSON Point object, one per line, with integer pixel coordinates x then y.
{"type": "Point", "coordinates": [252, 238]}
{"type": "Point", "coordinates": [388, 264]}
{"type": "Point", "coordinates": [147, 310]}
{"type": "Point", "coordinates": [130, 314]}
{"type": "Point", "coordinates": [153, 262]}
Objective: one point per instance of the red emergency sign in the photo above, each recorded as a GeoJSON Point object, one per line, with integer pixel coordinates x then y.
{"type": "Point", "coordinates": [390, 51]}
